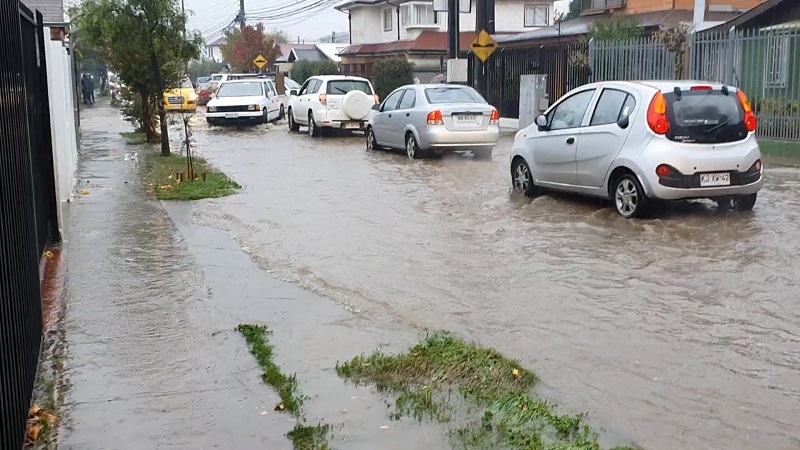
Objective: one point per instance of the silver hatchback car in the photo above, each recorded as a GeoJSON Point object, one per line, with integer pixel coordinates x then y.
{"type": "Point", "coordinates": [434, 118]}
{"type": "Point", "coordinates": [639, 141]}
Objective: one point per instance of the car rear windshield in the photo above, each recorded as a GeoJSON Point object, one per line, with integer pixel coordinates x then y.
{"type": "Point", "coordinates": [705, 117]}
{"type": "Point", "coordinates": [453, 95]}
{"type": "Point", "coordinates": [341, 87]}
{"type": "Point", "coordinates": [240, 89]}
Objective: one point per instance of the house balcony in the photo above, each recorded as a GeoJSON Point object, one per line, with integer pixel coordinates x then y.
{"type": "Point", "coordinates": [600, 6]}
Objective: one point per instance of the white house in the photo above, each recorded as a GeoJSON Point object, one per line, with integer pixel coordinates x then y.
{"type": "Point", "coordinates": [411, 28]}
{"type": "Point", "coordinates": [213, 51]}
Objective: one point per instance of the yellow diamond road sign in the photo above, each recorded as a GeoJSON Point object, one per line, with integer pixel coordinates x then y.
{"type": "Point", "coordinates": [483, 46]}
{"type": "Point", "coordinates": [260, 61]}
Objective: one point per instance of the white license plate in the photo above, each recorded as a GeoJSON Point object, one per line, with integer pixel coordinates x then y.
{"type": "Point", "coordinates": [715, 179]}
{"type": "Point", "coordinates": [231, 115]}
{"type": "Point", "coordinates": [176, 100]}
{"type": "Point", "coordinates": [466, 119]}
{"type": "Point", "coordinates": [352, 126]}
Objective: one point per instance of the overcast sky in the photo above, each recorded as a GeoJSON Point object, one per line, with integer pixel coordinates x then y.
{"type": "Point", "coordinates": [210, 16]}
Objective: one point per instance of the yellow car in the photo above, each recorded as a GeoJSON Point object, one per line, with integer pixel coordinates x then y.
{"type": "Point", "coordinates": [182, 99]}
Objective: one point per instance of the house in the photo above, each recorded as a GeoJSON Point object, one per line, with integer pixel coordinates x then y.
{"type": "Point", "coordinates": [213, 50]}
{"type": "Point", "coordinates": [52, 10]}
{"type": "Point", "coordinates": [412, 29]}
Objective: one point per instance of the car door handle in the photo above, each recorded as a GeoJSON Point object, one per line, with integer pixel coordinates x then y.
{"type": "Point", "coordinates": [571, 140]}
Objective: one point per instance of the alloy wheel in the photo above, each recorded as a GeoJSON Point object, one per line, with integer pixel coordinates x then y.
{"type": "Point", "coordinates": [370, 140]}
{"type": "Point", "coordinates": [411, 147]}
{"type": "Point", "coordinates": [522, 177]}
{"type": "Point", "coordinates": [626, 197]}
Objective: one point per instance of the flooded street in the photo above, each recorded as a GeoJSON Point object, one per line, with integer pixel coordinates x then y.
{"type": "Point", "coordinates": [681, 332]}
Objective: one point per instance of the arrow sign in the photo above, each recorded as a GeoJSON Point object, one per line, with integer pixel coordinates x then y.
{"type": "Point", "coordinates": [260, 61]}
{"type": "Point", "coordinates": [483, 46]}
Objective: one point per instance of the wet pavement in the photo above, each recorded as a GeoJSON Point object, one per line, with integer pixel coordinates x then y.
{"type": "Point", "coordinates": [152, 358]}
{"type": "Point", "coordinates": [678, 332]}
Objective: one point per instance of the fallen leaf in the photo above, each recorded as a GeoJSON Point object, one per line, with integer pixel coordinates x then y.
{"type": "Point", "coordinates": [85, 192]}
{"type": "Point", "coordinates": [50, 418]}
{"type": "Point", "coordinates": [34, 411]}
{"type": "Point", "coordinates": [280, 407]}
{"type": "Point", "coordinates": [48, 254]}
{"type": "Point", "coordinates": [34, 431]}
{"type": "Point", "coordinates": [517, 374]}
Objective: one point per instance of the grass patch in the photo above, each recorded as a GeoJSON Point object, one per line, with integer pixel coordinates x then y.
{"type": "Point", "coordinates": [784, 152]}
{"type": "Point", "coordinates": [257, 337]}
{"type": "Point", "coordinates": [135, 138]}
{"type": "Point", "coordinates": [305, 437]}
{"type": "Point", "coordinates": [443, 377]}
{"type": "Point", "coordinates": [161, 176]}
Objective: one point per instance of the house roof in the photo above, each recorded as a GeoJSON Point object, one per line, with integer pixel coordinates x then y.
{"type": "Point", "coordinates": [747, 16]}
{"type": "Point", "coordinates": [218, 42]}
{"type": "Point", "coordinates": [286, 50]}
{"type": "Point", "coordinates": [331, 51]}
{"type": "Point", "coordinates": [427, 41]}
{"type": "Point", "coordinates": [582, 25]}
{"type": "Point", "coordinates": [350, 4]}
{"type": "Point", "coordinates": [301, 54]}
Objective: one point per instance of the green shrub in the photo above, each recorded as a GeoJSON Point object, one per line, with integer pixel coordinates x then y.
{"type": "Point", "coordinates": [303, 70]}
{"type": "Point", "coordinates": [391, 73]}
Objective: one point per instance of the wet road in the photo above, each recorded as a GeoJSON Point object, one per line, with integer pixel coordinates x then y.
{"type": "Point", "coordinates": [679, 332]}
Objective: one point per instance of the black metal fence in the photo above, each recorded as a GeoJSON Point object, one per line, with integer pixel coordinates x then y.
{"type": "Point", "coordinates": [565, 64]}
{"type": "Point", "coordinates": [28, 220]}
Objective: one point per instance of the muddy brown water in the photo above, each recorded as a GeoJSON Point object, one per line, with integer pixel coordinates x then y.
{"type": "Point", "coordinates": [676, 333]}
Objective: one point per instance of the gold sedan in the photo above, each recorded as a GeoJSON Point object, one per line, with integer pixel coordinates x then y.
{"type": "Point", "coordinates": [182, 99]}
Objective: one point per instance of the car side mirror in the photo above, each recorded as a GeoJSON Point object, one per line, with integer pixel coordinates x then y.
{"type": "Point", "coordinates": [293, 92]}
{"type": "Point", "coordinates": [376, 107]}
{"type": "Point", "coordinates": [541, 122]}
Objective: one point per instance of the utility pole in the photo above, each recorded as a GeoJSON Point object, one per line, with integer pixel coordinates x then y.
{"type": "Point", "coordinates": [453, 28]}
{"type": "Point", "coordinates": [484, 20]}
{"type": "Point", "coordinates": [241, 14]}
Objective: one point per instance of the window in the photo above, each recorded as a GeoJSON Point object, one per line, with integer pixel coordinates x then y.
{"type": "Point", "coordinates": [409, 100]}
{"type": "Point", "coordinates": [390, 104]}
{"type": "Point", "coordinates": [388, 19]}
{"type": "Point", "coordinates": [453, 95]}
{"type": "Point", "coordinates": [776, 70]}
{"type": "Point", "coordinates": [537, 16]}
{"type": "Point", "coordinates": [570, 112]}
{"type": "Point", "coordinates": [248, 89]}
{"type": "Point", "coordinates": [341, 87]}
{"type": "Point", "coordinates": [705, 117]}
{"type": "Point", "coordinates": [187, 84]}
{"type": "Point", "coordinates": [417, 14]}
{"type": "Point", "coordinates": [612, 106]}
{"type": "Point", "coordinates": [314, 86]}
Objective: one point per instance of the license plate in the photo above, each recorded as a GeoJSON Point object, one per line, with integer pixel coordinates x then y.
{"type": "Point", "coordinates": [231, 115]}
{"type": "Point", "coordinates": [465, 119]}
{"type": "Point", "coordinates": [715, 179]}
{"type": "Point", "coordinates": [352, 126]}
{"type": "Point", "coordinates": [176, 100]}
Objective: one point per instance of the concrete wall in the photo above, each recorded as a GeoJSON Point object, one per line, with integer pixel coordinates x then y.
{"type": "Point", "coordinates": [60, 85]}
{"type": "Point", "coordinates": [52, 10]}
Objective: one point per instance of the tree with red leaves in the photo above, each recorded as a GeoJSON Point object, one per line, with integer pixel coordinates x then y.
{"type": "Point", "coordinates": [245, 45]}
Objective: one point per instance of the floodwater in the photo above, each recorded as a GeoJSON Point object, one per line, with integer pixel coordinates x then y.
{"type": "Point", "coordinates": [681, 332]}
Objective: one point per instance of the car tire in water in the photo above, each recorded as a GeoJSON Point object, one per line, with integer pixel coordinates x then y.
{"type": "Point", "coordinates": [372, 145]}
{"type": "Point", "coordinates": [522, 178]}
{"type": "Point", "coordinates": [265, 117]}
{"type": "Point", "coordinates": [313, 129]}
{"type": "Point", "coordinates": [744, 202]}
{"type": "Point", "coordinates": [628, 197]}
{"type": "Point", "coordinates": [293, 126]}
{"type": "Point", "coordinates": [412, 148]}
{"type": "Point", "coordinates": [281, 114]}
{"type": "Point", "coordinates": [483, 153]}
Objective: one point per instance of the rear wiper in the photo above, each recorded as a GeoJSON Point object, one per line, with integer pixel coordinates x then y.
{"type": "Point", "coordinates": [717, 126]}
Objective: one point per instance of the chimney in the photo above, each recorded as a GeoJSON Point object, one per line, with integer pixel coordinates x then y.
{"type": "Point", "coordinates": [699, 12]}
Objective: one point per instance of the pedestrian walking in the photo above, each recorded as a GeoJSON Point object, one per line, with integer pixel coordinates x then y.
{"type": "Point", "coordinates": [85, 89]}
{"type": "Point", "coordinates": [91, 89]}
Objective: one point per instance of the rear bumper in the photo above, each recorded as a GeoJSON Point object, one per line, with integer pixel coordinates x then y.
{"type": "Point", "coordinates": [439, 137]}
{"type": "Point", "coordinates": [659, 191]}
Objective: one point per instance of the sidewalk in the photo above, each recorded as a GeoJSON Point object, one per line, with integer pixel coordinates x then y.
{"type": "Point", "coordinates": [152, 300]}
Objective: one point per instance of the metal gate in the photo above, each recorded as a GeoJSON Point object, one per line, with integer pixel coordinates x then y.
{"type": "Point", "coordinates": [28, 221]}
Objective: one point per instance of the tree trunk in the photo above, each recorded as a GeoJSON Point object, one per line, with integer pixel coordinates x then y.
{"type": "Point", "coordinates": [162, 112]}
{"type": "Point", "coordinates": [147, 116]}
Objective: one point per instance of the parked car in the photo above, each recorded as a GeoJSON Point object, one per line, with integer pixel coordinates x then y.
{"type": "Point", "coordinates": [434, 118]}
{"type": "Point", "coordinates": [243, 102]}
{"type": "Point", "coordinates": [333, 102]}
{"type": "Point", "coordinates": [204, 92]}
{"type": "Point", "coordinates": [636, 142]}
{"type": "Point", "coordinates": [182, 98]}
{"type": "Point", "coordinates": [201, 80]}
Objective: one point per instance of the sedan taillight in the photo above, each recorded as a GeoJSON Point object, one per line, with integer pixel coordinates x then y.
{"type": "Point", "coordinates": [495, 117]}
{"type": "Point", "coordinates": [435, 118]}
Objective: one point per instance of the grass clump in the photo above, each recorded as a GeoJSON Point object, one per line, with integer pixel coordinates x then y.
{"type": "Point", "coordinates": [161, 174]}
{"type": "Point", "coordinates": [135, 138]}
{"type": "Point", "coordinates": [443, 377]}
{"type": "Point", "coordinates": [305, 437]}
{"type": "Point", "coordinates": [257, 337]}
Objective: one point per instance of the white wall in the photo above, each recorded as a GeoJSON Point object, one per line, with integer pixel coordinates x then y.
{"type": "Point", "coordinates": [60, 85]}
{"type": "Point", "coordinates": [214, 53]}
{"type": "Point", "coordinates": [367, 23]}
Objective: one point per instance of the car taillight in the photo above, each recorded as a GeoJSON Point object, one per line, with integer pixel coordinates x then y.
{"type": "Point", "coordinates": [700, 88]}
{"type": "Point", "coordinates": [495, 117]}
{"type": "Point", "coordinates": [663, 171]}
{"type": "Point", "coordinates": [435, 118]}
{"type": "Point", "coordinates": [657, 114]}
{"type": "Point", "coordinates": [377, 98]}
{"type": "Point", "coordinates": [323, 99]}
{"type": "Point", "coordinates": [757, 166]}
{"type": "Point", "coordinates": [750, 120]}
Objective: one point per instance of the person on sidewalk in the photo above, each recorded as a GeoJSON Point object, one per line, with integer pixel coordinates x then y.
{"type": "Point", "coordinates": [85, 89]}
{"type": "Point", "coordinates": [91, 89]}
